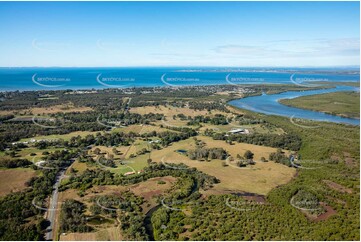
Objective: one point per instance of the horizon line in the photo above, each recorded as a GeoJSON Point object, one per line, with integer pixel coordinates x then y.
{"type": "Point", "coordinates": [185, 66]}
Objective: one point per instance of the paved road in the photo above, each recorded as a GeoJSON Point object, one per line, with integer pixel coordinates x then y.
{"type": "Point", "coordinates": [51, 213]}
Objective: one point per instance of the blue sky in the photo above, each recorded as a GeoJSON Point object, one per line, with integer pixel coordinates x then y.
{"type": "Point", "coordinates": [179, 34]}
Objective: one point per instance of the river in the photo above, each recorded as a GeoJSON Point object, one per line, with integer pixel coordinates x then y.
{"type": "Point", "coordinates": [268, 104]}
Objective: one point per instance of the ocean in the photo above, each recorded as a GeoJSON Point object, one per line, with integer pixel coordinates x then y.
{"type": "Point", "coordinates": [25, 79]}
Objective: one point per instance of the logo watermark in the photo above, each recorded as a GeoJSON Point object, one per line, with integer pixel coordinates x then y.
{"type": "Point", "coordinates": [303, 123]}
{"type": "Point", "coordinates": [50, 81]}
{"type": "Point", "coordinates": [178, 204]}
{"type": "Point", "coordinates": [243, 205]}
{"type": "Point", "coordinates": [115, 81]}
{"type": "Point", "coordinates": [109, 164]}
{"type": "Point", "coordinates": [44, 206]}
{"type": "Point", "coordinates": [112, 205]}
{"type": "Point", "coordinates": [236, 81]}
{"type": "Point", "coordinates": [49, 45]}
{"type": "Point", "coordinates": [301, 163]}
{"type": "Point", "coordinates": [166, 123]}
{"type": "Point", "coordinates": [47, 122]}
{"type": "Point", "coordinates": [306, 201]}
{"type": "Point", "coordinates": [110, 123]}
{"type": "Point", "coordinates": [172, 166]}
{"type": "Point", "coordinates": [172, 81]}
{"type": "Point", "coordinates": [43, 164]}
{"type": "Point", "coordinates": [306, 81]}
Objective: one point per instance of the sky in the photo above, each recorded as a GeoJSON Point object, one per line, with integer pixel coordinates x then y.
{"type": "Point", "coordinates": [239, 34]}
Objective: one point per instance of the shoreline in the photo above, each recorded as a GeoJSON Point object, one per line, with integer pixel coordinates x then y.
{"type": "Point", "coordinates": [281, 101]}
{"type": "Point", "coordinates": [310, 110]}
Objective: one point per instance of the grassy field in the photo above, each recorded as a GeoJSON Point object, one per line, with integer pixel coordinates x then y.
{"type": "Point", "coordinates": [13, 180]}
{"type": "Point", "coordinates": [64, 108]}
{"type": "Point", "coordinates": [107, 234]}
{"type": "Point", "coordinates": [134, 164]}
{"type": "Point", "coordinates": [346, 104]}
{"type": "Point", "coordinates": [259, 178]}
{"type": "Point", "coordinates": [169, 111]}
{"type": "Point", "coordinates": [60, 136]}
{"type": "Point", "coordinates": [26, 153]}
{"type": "Point", "coordinates": [141, 129]}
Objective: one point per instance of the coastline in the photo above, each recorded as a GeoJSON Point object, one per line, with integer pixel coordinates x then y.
{"type": "Point", "coordinates": [283, 102]}
{"type": "Point", "coordinates": [278, 112]}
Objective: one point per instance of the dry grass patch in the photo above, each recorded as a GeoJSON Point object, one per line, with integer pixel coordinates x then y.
{"type": "Point", "coordinates": [141, 129]}
{"type": "Point", "coordinates": [259, 178]}
{"type": "Point", "coordinates": [60, 136]}
{"type": "Point", "coordinates": [80, 167]}
{"type": "Point", "coordinates": [64, 108]}
{"type": "Point", "coordinates": [61, 108]}
{"type": "Point", "coordinates": [169, 111]}
{"type": "Point", "coordinates": [108, 234]}
{"type": "Point", "coordinates": [13, 180]}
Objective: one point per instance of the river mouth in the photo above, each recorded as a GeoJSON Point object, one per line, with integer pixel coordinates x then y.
{"type": "Point", "coordinates": [268, 104]}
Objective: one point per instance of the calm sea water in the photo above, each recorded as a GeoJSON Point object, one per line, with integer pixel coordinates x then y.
{"type": "Point", "coordinates": [23, 79]}
{"type": "Point", "coordinates": [12, 79]}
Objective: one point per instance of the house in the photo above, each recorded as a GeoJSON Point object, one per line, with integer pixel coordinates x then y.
{"type": "Point", "coordinates": [239, 131]}
{"type": "Point", "coordinates": [129, 173]}
{"type": "Point", "coordinates": [154, 141]}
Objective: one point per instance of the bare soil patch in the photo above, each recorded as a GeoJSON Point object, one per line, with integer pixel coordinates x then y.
{"type": "Point", "coordinates": [337, 187]}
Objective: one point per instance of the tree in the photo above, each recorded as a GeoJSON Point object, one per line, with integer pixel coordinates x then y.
{"type": "Point", "coordinates": [110, 156]}
{"type": "Point", "coordinates": [97, 151]}
{"type": "Point", "coordinates": [115, 151]}
{"type": "Point", "coordinates": [248, 155]}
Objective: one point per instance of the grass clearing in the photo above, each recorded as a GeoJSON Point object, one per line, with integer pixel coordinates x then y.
{"type": "Point", "coordinates": [141, 129]}
{"type": "Point", "coordinates": [13, 180]}
{"type": "Point", "coordinates": [60, 136]}
{"type": "Point", "coordinates": [259, 178]}
{"type": "Point", "coordinates": [169, 111]}
{"type": "Point", "coordinates": [134, 164]}
{"type": "Point", "coordinates": [107, 234]}
{"type": "Point", "coordinates": [62, 108]}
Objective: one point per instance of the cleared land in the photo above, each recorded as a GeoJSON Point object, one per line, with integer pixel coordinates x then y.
{"type": "Point", "coordinates": [259, 178]}
{"type": "Point", "coordinates": [345, 104]}
{"type": "Point", "coordinates": [141, 129]}
{"type": "Point", "coordinates": [63, 108]}
{"type": "Point", "coordinates": [107, 234]}
{"type": "Point", "coordinates": [169, 111]}
{"type": "Point", "coordinates": [60, 136]}
{"type": "Point", "coordinates": [13, 180]}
